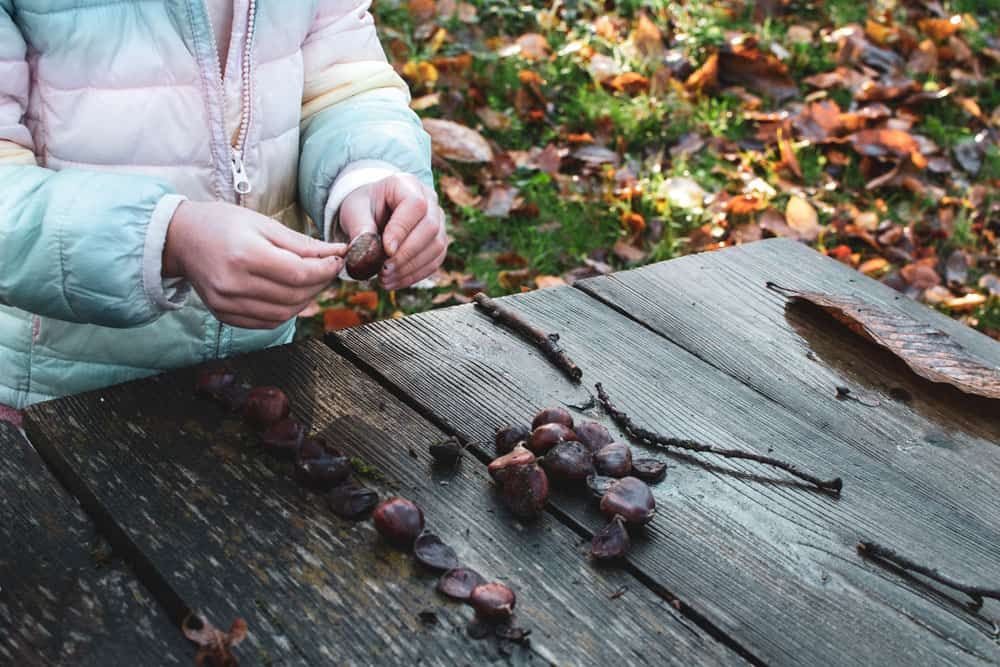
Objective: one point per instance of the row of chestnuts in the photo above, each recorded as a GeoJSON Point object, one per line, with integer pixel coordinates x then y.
{"type": "Point", "coordinates": [316, 464]}
{"type": "Point", "coordinates": [400, 522]}
{"type": "Point", "coordinates": [573, 454]}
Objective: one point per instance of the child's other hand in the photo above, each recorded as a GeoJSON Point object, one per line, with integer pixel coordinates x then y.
{"type": "Point", "coordinates": [414, 237]}
{"type": "Point", "coordinates": [251, 271]}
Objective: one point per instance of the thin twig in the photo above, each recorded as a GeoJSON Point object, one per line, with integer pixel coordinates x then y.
{"type": "Point", "coordinates": [548, 343]}
{"type": "Point", "coordinates": [626, 424]}
{"type": "Point", "coordinates": [977, 593]}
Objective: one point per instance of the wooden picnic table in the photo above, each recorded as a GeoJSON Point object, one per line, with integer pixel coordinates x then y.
{"type": "Point", "coordinates": [741, 564]}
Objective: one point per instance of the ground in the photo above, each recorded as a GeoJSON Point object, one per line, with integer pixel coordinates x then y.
{"type": "Point", "coordinates": [577, 138]}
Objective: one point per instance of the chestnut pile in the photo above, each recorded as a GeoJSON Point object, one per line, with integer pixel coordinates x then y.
{"type": "Point", "coordinates": [574, 456]}
{"type": "Point", "coordinates": [315, 463]}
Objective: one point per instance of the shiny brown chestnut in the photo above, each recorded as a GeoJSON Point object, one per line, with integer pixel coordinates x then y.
{"type": "Point", "coordinates": [516, 457]}
{"type": "Point", "coordinates": [399, 521]}
{"type": "Point", "coordinates": [568, 461]}
{"type": "Point", "coordinates": [613, 460]}
{"type": "Point", "coordinates": [631, 498]}
{"type": "Point", "coordinates": [265, 405]}
{"type": "Point", "coordinates": [612, 541]}
{"type": "Point", "coordinates": [593, 435]}
{"type": "Point", "coordinates": [323, 471]}
{"type": "Point", "coordinates": [546, 436]}
{"type": "Point", "coordinates": [493, 602]}
{"type": "Point", "coordinates": [525, 490]}
{"type": "Point", "coordinates": [365, 257]}
{"type": "Point", "coordinates": [508, 436]}
{"type": "Point", "coordinates": [350, 500]}
{"type": "Point", "coordinates": [552, 416]}
{"type": "Point", "coordinates": [283, 438]}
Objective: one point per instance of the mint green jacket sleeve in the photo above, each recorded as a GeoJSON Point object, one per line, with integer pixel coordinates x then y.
{"type": "Point", "coordinates": [74, 244]}
{"type": "Point", "coordinates": [374, 125]}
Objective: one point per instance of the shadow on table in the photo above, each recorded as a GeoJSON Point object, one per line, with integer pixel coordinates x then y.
{"type": "Point", "coordinates": [864, 366]}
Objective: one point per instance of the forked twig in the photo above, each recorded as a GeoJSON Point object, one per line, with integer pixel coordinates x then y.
{"type": "Point", "coordinates": [626, 424]}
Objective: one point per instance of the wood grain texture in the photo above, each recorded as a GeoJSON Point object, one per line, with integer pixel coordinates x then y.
{"type": "Point", "coordinates": [64, 599]}
{"type": "Point", "coordinates": [769, 562]}
{"type": "Point", "coordinates": [229, 532]}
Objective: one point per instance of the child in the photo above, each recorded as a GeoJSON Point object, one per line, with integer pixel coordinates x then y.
{"type": "Point", "coordinates": [157, 161]}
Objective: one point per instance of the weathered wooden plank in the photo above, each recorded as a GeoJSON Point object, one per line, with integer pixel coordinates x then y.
{"type": "Point", "coordinates": [770, 563]}
{"type": "Point", "coordinates": [64, 599]}
{"type": "Point", "coordinates": [230, 533]}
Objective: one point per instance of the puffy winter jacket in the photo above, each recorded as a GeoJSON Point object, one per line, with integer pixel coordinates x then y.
{"type": "Point", "coordinates": [113, 111]}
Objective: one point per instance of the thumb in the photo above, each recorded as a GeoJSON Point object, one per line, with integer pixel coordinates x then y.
{"type": "Point", "coordinates": [356, 217]}
{"type": "Point", "coordinates": [300, 244]}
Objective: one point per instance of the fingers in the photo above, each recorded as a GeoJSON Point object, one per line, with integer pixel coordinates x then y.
{"type": "Point", "coordinates": [286, 268]}
{"type": "Point", "coordinates": [356, 216]}
{"type": "Point", "coordinates": [251, 309]}
{"type": "Point", "coordinates": [267, 291]}
{"type": "Point", "coordinates": [300, 244]}
{"type": "Point", "coordinates": [419, 273]}
{"type": "Point", "coordinates": [243, 322]}
{"type": "Point", "coordinates": [410, 204]}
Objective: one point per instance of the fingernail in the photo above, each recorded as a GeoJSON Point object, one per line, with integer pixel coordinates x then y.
{"type": "Point", "coordinates": [388, 267]}
{"type": "Point", "coordinates": [392, 246]}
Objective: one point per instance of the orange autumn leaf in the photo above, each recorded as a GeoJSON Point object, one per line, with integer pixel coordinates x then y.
{"type": "Point", "coordinates": [631, 83]}
{"type": "Point", "coordinates": [533, 46]}
{"type": "Point", "coordinates": [367, 299]}
{"type": "Point", "coordinates": [705, 77]}
{"type": "Point", "coordinates": [746, 203]}
{"type": "Point", "coordinates": [940, 29]}
{"type": "Point", "coordinates": [648, 39]}
{"type": "Point", "coordinates": [884, 142]}
{"type": "Point", "coordinates": [547, 282]}
{"type": "Point", "coordinates": [335, 319]}
{"type": "Point", "coordinates": [581, 138]}
{"type": "Point", "coordinates": [634, 222]}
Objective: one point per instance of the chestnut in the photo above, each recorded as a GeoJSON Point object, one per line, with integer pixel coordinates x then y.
{"type": "Point", "coordinates": [631, 498]}
{"type": "Point", "coordinates": [493, 602]}
{"type": "Point", "coordinates": [614, 459]}
{"type": "Point", "coordinates": [323, 471]}
{"type": "Point", "coordinates": [399, 521]}
{"type": "Point", "coordinates": [446, 452]}
{"type": "Point", "coordinates": [570, 461]}
{"type": "Point", "coordinates": [283, 438]}
{"type": "Point", "coordinates": [350, 500]}
{"type": "Point", "coordinates": [546, 436]}
{"type": "Point", "coordinates": [211, 382]}
{"type": "Point", "coordinates": [459, 582]}
{"type": "Point", "coordinates": [552, 416]}
{"type": "Point", "coordinates": [265, 405]}
{"type": "Point", "coordinates": [650, 471]}
{"type": "Point", "coordinates": [593, 435]}
{"type": "Point", "coordinates": [599, 485]}
{"type": "Point", "coordinates": [365, 256]}
{"type": "Point", "coordinates": [508, 436]}
{"type": "Point", "coordinates": [517, 457]}
{"type": "Point", "coordinates": [525, 490]}
{"type": "Point", "coordinates": [431, 552]}
{"type": "Point", "coordinates": [612, 541]}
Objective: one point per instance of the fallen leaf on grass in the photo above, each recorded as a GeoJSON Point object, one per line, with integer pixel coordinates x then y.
{"type": "Point", "coordinates": [335, 319]}
{"type": "Point", "coordinates": [545, 282]}
{"type": "Point", "coordinates": [452, 141]}
{"type": "Point", "coordinates": [455, 190]}
{"type": "Point", "coordinates": [929, 352]}
{"type": "Point", "coordinates": [368, 299]}
{"type": "Point", "coordinates": [214, 644]}
{"type": "Point", "coordinates": [802, 217]}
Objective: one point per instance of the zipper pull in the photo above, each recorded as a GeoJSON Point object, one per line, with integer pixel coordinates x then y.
{"type": "Point", "coordinates": [240, 181]}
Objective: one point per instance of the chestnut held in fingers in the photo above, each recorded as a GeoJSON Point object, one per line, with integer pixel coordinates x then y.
{"type": "Point", "coordinates": [282, 438]}
{"type": "Point", "coordinates": [650, 471]}
{"type": "Point", "coordinates": [493, 602]}
{"type": "Point", "coordinates": [431, 552]}
{"type": "Point", "coordinates": [612, 541]}
{"type": "Point", "coordinates": [593, 435]}
{"type": "Point", "coordinates": [552, 416]}
{"type": "Point", "coordinates": [350, 500]}
{"type": "Point", "coordinates": [265, 405]}
{"type": "Point", "coordinates": [508, 436]}
{"type": "Point", "coordinates": [546, 436]}
{"type": "Point", "coordinates": [525, 490]}
{"type": "Point", "coordinates": [399, 521]}
{"type": "Point", "coordinates": [458, 583]}
{"type": "Point", "coordinates": [365, 257]}
{"type": "Point", "coordinates": [631, 498]}
{"type": "Point", "coordinates": [518, 456]}
{"type": "Point", "coordinates": [614, 460]}
{"type": "Point", "coordinates": [570, 461]}
{"type": "Point", "coordinates": [213, 381]}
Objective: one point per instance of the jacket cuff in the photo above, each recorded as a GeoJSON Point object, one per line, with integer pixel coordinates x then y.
{"type": "Point", "coordinates": [163, 293]}
{"type": "Point", "coordinates": [352, 177]}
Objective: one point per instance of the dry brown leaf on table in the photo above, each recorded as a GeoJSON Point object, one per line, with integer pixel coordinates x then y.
{"type": "Point", "coordinates": [214, 644]}
{"type": "Point", "coordinates": [452, 141]}
{"type": "Point", "coordinates": [929, 352]}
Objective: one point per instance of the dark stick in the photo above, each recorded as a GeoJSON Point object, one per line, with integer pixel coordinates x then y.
{"type": "Point", "coordinates": [977, 593]}
{"type": "Point", "coordinates": [548, 343]}
{"type": "Point", "coordinates": [626, 424]}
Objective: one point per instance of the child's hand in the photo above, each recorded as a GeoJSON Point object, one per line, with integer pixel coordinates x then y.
{"type": "Point", "coordinates": [414, 237]}
{"type": "Point", "coordinates": [251, 271]}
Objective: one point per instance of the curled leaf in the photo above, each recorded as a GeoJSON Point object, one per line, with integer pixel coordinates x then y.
{"type": "Point", "coordinates": [452, 141]}
{"type": "Point", "coordinates": [929, 352]}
